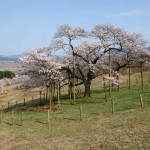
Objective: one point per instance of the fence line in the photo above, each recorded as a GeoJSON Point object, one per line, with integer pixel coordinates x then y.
{"type": "Point", "coordinates": [79, 90]}
{"type": "Point", "coordinates": [42, 99]}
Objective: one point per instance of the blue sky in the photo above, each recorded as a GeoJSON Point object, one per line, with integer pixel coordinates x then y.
{"type": "Point", "coordinates": [29, 24]}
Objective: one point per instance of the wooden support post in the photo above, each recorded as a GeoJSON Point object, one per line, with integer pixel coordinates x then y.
{"type": "Point", "coordinates": [24, 101]}
{"type": "Point", "coordinates": [74, 93]}
{"type": "Point", "coordinates": [48, 116]}
{"type": "Point", "coordinates": [16, 103]}
{"type": "Point", "coordinates": [129, 78]}
{"type": "Point", "coordinates": [136, 81]}
{"type": "Point", "coordinates": [12, 117]}
{"type": "Point", "coordinates": [78, 91]}
{"type": "Point", "coordinates": [2, 107]}
{"type": "Point", "coordinates": [80, 108]}
{"type": "Point", "coordinates": [141, 101]}
{"type": "Point", "coordinates": [112, 104]}
{"type": "Point", "coordinates": [69, 89]}
{"type": "Point", "coordinates": [51, 96]}
{"type": "Point", "coordinates": [44, 96]}
{"type": "Point", "coordinates": [58, 94]}
{"type": "Point", "coordinates": [8, 105]}
{"type": "Point", "coordinates": [109, 74]}
{"type": "Point", "coordinates": [40, 97]}
{"type": "Point", "coordinates": [118, 86]}
{"type": "Point", "coordinates": [21, 118]}
{"type": "Point", "coordinates": [105, 89]}
{"type": "Point", "coordinates": [1, 115]}
{"type": "Point", "coordinates": [32, 100]}
{"type": "Point", "coordinates": [118, 82]}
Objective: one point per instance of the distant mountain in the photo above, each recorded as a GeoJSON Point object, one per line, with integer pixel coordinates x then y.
{"type": "Point", "coordinates": [15, 56]}
{"type": "Point", "coordinates": [10, 57]}
{"type": "Point", "coordinates": [3, 58]}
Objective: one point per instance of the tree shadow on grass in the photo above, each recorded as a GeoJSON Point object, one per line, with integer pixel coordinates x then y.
{"type": "Point", "coordinates": [18, 124]}
{"type": "Point", "coordinates": [8, 123]}
{"type": "Point", "coordinates": [40, 122]}
{"type": "Point", "coordinates": [24, 106]}
{"type": "Point", "coordinates": [70, 119]}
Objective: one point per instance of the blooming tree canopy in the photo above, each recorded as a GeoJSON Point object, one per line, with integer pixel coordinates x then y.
{"type": "Point", "coordinates": [86, 54]}
{"type": "Point", "coordinates": [40, 67]}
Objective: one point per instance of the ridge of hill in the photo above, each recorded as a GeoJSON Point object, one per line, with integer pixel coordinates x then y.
{"type": "Point", "coordinates": [10, 57]}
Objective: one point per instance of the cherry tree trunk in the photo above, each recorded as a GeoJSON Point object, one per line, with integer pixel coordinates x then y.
{"type": "Point", "coordinates": [87, 86]}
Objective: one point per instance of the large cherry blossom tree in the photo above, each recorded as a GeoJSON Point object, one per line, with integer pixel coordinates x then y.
{"type": "Point", "coordinates": [85, 55]}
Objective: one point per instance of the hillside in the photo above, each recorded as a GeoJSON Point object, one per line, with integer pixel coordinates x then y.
{"type": "Point", "coordinates": [10, 57]}
{"type": "Point", "coordinates": [10, 65]}
{"type": "Point", "coordinates": [127, 128]}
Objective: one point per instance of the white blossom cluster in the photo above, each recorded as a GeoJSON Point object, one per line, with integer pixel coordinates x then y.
{"type": "Point", "coordinates": [16, 80]}
{"type": "Point", "coordinates": [40, 68]}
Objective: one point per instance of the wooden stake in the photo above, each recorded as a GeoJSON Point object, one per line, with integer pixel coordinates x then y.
{"type": "Point", "coordinates": [109, 74]}
{"type": "Point", "coordinates": [32, 100]}
{"type": "Point", "coordinates": [24, 101]}
{"type": "Point", "coordinates": [8, 105]}
{"type": "Point", "coordinates": [74, 93]}
{"type": "Point", "coordinates": [142, 83]}
{"type": "Point", "coordinates": [1, 117]}
{"type": "Point", "coordinates": [105, 90]}
{"type": "Point", "coordinates": [2, 107]}
{"type": "Point", "coordinates": [118, 82]}
{"type": "Point", "coordinates": [141, 101]}
{"type": "Point", "coordinates": [129, 77]}
{"type": "Point", "coordinates": [16, 103]}
{"type": "Point", "coordinates": [127, 82]}
{"type": "Point", "coordinates": [48, 116]}
{"type": "Point", "coordinates": [80, 108]}
{"type": "Point", "coordinates": [58, 94]}
{"type": "Point", "coordinates": [40, 97]}
{"type": "Point", "coordinates": [136, 81]}
{"type": "Point", "coordinates": [21, 118]}
{"type": "Point", "coordinates": [51, 96]}
{"type": "Point", "coordinates": [12, 117]}
{"type": "Point", "coordinates": [44, 97]}
{"type": "Point", "coordinates": [113, 107]}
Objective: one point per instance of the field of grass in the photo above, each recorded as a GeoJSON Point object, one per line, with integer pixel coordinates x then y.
{"type": "Point", "coordinates": [13, 95]}
{"type": "Point", "coordinates": [10, 65]}
{"type": "Point", "coordinates": [127, 128]}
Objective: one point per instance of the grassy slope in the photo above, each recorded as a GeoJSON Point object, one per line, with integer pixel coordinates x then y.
{"type": "Point", "coordinates": [128, 128]}
{"type": "Point", "coordinates": [18, 95]}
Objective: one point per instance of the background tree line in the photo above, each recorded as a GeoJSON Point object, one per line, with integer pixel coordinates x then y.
{"type": "Point", "coordinates": [6, 74]}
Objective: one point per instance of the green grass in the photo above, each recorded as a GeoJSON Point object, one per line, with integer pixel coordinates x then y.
{"type": "Point", "coordinates": [128, 128]}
